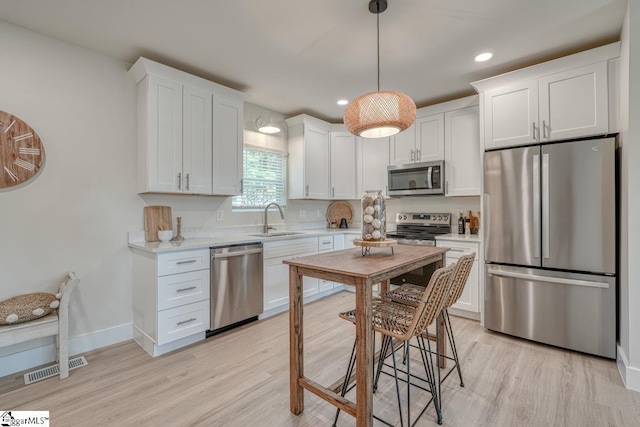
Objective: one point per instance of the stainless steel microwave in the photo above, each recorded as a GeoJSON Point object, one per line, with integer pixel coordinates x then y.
{"type": "Point", "coordinates": [416, 179]}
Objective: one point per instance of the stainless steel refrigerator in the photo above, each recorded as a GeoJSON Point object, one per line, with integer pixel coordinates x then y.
{"type": "Point", "coordinates": [550, 244]}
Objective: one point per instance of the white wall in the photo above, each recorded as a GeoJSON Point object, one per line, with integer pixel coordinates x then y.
{"type": "Point", "coordinates": [75, 214]}
{"type": "Point", "coordinates": [629, 295]}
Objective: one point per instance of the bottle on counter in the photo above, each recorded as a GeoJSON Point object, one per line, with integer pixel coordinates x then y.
{"type": "Point", "coordinates": [467, 226]}
{"type": "Point", "coordinates": [461, 224]}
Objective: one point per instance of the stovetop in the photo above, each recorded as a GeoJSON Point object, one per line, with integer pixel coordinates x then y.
{"type": "Point", "coordinates": [420, 228]}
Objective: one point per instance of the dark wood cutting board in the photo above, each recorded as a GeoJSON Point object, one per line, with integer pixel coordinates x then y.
{"type": "Point", "coordinates": [156, 218]}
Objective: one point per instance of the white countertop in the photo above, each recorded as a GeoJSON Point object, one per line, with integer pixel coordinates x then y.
{"type": "Point", "coordinates": [232, 239]}
{"type": "Point", "coordinates": [475, 238]}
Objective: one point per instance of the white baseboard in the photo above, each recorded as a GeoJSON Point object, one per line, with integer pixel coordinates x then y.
{"type": "Point", "coordinates": [630, 374]}
{"type": "Point", "coordinates": [41, 355]}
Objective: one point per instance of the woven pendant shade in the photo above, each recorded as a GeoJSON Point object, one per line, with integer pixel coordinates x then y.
{"type": "Point", "coordinates": [379, 114]}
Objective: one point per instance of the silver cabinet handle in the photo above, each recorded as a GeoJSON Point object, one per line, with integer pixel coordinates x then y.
{"type": "Point", "coordinates": [179, 180]}
{"type": "Point", "coordinates": [544, 130]}
{"type": "Point", "coordinates": [187, 182]}
{"type": "Point", "coordinates": [326, 243]}
{"type": "Point", "coordinates": [185, 289]}
{"type": "Point", "coordinates": [193, 319]}
{"type": "Point", "coordinates": [535, 138]}
{"type": "Point", "coordinates": [307, 191]}
{"type": "Point", "coordinates": [191, 261]}
{"type": "Point", "coordinates": [412, 155]}
{"type": "Point", "coordinates": [333, 192]}
{"type": "Point", "coordinates": [545, 205]}
{"type": "Point", "coordinates": [418, 155]}
{"type": "Point", "coordinates": [446, 186]}
{"type": "Point", "coordinates": [241, 186]}
{"type": "Point", "coordinates": [536, 205]}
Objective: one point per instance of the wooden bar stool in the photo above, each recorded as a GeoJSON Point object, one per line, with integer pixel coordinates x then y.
{"type": "Point", "coordinates": [401, 322]}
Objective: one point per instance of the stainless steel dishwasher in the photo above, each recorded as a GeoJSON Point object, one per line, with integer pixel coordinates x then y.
{"type": "Point", "coordinates": [236, 286]}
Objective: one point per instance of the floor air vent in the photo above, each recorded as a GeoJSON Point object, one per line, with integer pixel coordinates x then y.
{"type": "Point", "coordinates": [52, 371]}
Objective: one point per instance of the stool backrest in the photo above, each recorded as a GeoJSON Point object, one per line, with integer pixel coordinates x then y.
{"type": "Point", "coordinates": [433, 298]}
{"type": "Point", "coordinates": [459, 279]}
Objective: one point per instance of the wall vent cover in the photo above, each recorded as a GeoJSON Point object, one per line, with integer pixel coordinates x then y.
{"type": "Point", "coordinates": [52, 371]}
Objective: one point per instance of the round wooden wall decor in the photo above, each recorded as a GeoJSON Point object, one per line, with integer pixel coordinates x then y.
{"type": "Point", "coordinates": [21, 151]}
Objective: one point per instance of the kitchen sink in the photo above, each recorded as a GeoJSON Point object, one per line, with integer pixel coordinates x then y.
{"type": "Point", "coordinates": [277, 234]}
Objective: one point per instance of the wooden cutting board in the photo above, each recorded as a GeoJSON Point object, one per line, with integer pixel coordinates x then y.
{"type": "Point", "coordinates": [156, 218]}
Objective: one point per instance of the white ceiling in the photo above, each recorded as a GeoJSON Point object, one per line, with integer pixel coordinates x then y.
{"type": "Point", "coordinates": [295, 56]}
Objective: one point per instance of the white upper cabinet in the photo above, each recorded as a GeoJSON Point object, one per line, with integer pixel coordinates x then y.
{"type": "Point", "coordinates": [556, 100]}
{"type": "Point", "coordinates": [372, 161]}
{"type": "Point", "coordinates": [511, 114]}
{"type": "Point", "coordinates": [429, 138]}
{"type": "Point", "coordinates": [227, 145]}
{"type": "Point", "coordinates": [196, 140]}
{"type": "Point", "coordinates": [343, 166]}
{"type": "Point", "coordinates": [462, 153]}
{"type": "Point", "coordinates": [309, 148]}
{"type": "Point", "coordinates": [189, 132]}
{"type": "Point", "coordinates": [574, 103]}
{"type": "Point", "coordinates": [423, 141]}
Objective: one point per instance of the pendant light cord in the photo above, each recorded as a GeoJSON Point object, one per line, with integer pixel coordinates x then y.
{"type": "Point", "coordinates": [378, 42]}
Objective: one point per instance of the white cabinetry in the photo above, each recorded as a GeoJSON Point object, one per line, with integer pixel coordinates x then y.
{"type": "Point", "coordinates": [469, 302]}
{"type": "Point", "coordinates": [189, 132]}
{"type": "Point", "coordinates": [309, 143]}
{"type": "Point", "coordinates": [372, 159]}
{"type": "Point", "coordinates": [171, 305]}
{"type": "Point", "coordinates": [276, 274]}
{"type": "Point", "coordinates": [561, 99]}
{"type": "Point", "coordinates": [462, 153]}
{"type": "Point", "coordinates": [325, 244]}
{"type": "Point", "coordinates": [422, 142]}
{"type": "Point", "coordinates": [342, 167]}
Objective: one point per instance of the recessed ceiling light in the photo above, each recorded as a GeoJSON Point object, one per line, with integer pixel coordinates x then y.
{"type": "Point", "coordinates": [343, 102]}
{"type": "Point", "coordinates": [484, 57]}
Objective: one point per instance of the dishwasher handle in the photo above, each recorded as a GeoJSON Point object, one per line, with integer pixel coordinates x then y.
{"type": "Point", "coordinates": [235, 254]}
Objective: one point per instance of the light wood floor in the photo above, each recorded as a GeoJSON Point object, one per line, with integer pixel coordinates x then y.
{"type": "Point", "coordinates": [241, 378]}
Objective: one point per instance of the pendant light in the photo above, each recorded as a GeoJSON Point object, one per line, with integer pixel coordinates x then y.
{"type": "Point", "coordinates": [380, 113]}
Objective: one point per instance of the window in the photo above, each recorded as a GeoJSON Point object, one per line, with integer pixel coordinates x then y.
{"type": "Point", "coordinates": [264, 179]}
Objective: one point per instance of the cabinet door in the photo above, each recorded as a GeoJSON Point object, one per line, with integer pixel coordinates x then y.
{"type": "Point", "coordinates": [462, 152]}
{"type": "Point", "coordinates": [468, 301]}
{"type": "Point", "coordinates": [511, 115]}
{"type": "Point", "coordinates": [164, 144]}
{"type": "Point", "coordinates": [373, 159]}
{"type": "Point", "coordinates": [574, 103]}
{"type": "Point", "coordinates": [228, 117]}
{"type": "Point", "coordinates": [343, 166]}
{"type": "Point", "coordinates": [429, 138]}
{"type": "Point", "coordinates": [276, 282]}
{"type": "Point", "coordinates": [402, 148]}
{"type": "Point", "coordinates": [316, 163]}
{"type": "Point", "coordinates": [196, 136]}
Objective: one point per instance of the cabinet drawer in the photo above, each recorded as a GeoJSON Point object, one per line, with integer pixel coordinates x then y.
{"type": "Point", "coordinates": [183, 288]}
{"type": "Point", "coordinates": [457, 249]}
{"type": "Point", "coordinates": [325, 243]}
{"type": "Point", "coordinates": [181, 262]}
{"type": "Point", "coordinates": [283, 248]}
{"type": "Point", "coordinates": [182, 321]}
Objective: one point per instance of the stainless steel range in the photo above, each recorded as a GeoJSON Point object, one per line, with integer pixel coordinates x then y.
{"type": "Point", "coordinates": [419, 229]}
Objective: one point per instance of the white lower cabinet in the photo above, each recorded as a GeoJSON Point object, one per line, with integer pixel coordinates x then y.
{"type": "Point", "coordinates": [171, 306]}
{"type": "Point", "coordinates": [469, 302]}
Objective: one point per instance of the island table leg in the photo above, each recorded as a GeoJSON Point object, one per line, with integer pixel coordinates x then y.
{"type": "Point", "coordinates": [296, 350]}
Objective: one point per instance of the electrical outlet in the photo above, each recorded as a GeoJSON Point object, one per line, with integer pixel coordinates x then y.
{"type": "Point", "coordinates": [320, 212]}
{"type": "Point", "coordinates": [303, 213]}
{"type": "Point", "coordinates": [220, 215]}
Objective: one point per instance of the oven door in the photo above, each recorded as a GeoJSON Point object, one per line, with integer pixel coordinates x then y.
{"type": "Point", "coordinates": [416, 179]}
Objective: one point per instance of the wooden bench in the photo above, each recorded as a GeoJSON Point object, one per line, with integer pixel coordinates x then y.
{"type": "Point", "coordinates": [54, 324]}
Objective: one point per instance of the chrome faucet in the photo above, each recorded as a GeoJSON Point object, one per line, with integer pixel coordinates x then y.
{"type": "Point", "coordinates": [266, 208]}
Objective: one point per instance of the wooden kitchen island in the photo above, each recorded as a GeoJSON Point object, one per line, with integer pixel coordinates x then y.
{"type": "Point", "coordinates": [350, 268]}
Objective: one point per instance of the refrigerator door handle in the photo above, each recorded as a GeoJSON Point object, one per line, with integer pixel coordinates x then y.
{"type": "Point", "coordinates": [536, 205]}
{"type": "Point", "coordinates": [559, 280]}
{"type": "Point", "coordinates": [545, 205]}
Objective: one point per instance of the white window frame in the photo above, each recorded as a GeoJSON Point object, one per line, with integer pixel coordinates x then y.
{"type": "Point", "coordinates": [251, 182]}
